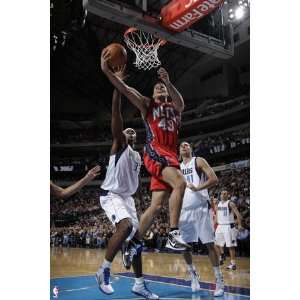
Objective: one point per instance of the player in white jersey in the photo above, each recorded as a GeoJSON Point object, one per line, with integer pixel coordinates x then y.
{"type": "Point", "coordinates": [195, 220]}
{"type": "Point", "coordinates": [226, 233]}
{"type": "Point", "coordinates": [121, 182]}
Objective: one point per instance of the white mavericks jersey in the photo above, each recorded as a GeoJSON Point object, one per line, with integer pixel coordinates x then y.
{"type": "Point", "coordinates": [122, 176]}
{"type": "Point", "coordinates": [194, 199]}
{"type": "Point", "coordinates": [224, 213]}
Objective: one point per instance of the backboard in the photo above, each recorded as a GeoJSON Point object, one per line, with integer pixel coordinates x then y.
{"type": "Point", "coordinates": [211, 35]}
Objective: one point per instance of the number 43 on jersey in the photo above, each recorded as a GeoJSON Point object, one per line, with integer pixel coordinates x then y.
{"type": "Point", "coordinates": [166, 125]}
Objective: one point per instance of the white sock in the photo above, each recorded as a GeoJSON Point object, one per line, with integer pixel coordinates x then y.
{"type": "Point", "coordinates": [139, 280]}
{"type": "Point", "coordinates": [232, 262]}
{"type": "Point", "coordinates": [106, 264]}
{"type": "Point", "coordinates": [218, 273]}
{"type": "Point", "coordinates": [190, 268]}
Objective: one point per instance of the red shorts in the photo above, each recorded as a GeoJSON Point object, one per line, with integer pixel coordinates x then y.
{"type": "Point", "coordinates": [155, 159]}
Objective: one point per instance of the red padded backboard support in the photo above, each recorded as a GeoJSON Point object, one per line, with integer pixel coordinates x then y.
{"type": "Point", "coordinates": [181, 14]}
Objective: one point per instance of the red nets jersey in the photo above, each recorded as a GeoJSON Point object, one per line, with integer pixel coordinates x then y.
{"type": "Point", "coordinates": [162, 124]}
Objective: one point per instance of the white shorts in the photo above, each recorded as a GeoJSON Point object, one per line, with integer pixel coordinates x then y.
{"type": "Point", "coordinates": [226, 235]}
{"type": "Point", "coordinates": [118, 208]}
{"type": "Point", "coordinates": [195, 224]}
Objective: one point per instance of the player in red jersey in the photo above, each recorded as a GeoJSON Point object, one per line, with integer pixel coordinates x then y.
{"type": "Point", "coordinates": [162, 121]}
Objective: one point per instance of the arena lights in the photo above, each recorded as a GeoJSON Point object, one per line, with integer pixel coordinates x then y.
{"type": "Point", "coordinates": [231, 14]}
{"type": "Point", "coordinates": [239, 13]}
{"type": "Point", "coordinates": [238, 9]}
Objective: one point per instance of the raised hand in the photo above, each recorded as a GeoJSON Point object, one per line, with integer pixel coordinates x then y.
{"type": "Point", "coordinates": [119, 71]}
{"type": "Point", "coordinates": [192, 187]}
{"type": "Point", "coordinates": [163, 75]}
{"type": "Point", "coordinates": [105, 56]}
{"type": "Point", "coordinates": [94, 172]}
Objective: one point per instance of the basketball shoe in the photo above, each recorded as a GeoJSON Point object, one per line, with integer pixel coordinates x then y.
{"type": "Point", "coordinates": [102, 278]}
{"type": "Point", "coordinates": [175, 241]}
{"type": "Point", "coordinates": [141, 289]}
{"type": "Point", "coordinates": [195, 278]}
{"type": "Point", "coordinates": [231, 267]}
{"type": "Point", "coordinates": [219, 291]}
{"type": "Point", "coordinates": [129, 250]}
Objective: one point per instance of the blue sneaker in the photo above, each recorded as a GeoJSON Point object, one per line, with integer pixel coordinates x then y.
{"type": "Point", "coordinates": [102, 278]}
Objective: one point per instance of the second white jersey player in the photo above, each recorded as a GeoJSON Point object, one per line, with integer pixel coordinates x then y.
{"type": "Point", "coordinates": [195, 221]}
{"type": "Point", "coordinates": [191, 175]}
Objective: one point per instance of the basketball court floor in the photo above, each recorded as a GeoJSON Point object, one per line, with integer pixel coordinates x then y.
{"type": "Point", "coordinates": [73, 269]}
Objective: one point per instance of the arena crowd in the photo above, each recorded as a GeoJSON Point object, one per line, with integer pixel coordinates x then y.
{"type": "Point", "coordinates": [80, 222]}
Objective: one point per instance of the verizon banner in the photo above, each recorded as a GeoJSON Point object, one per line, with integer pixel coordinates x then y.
{"type": "Point", "coordinates": [181, 14]}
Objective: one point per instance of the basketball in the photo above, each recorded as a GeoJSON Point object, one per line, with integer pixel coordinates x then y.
{"type": "Point", "coordinates": [118, 55]}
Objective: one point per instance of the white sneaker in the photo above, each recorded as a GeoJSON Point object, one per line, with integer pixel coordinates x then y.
{"type": "Point", "coordinates": [102, 279]}
{"type": "Point", "coordinates": [219, 291]}
{"type": "Point", "coordinates": [231, 267]}
{"type": "Point", "coordinates": [195, 284]}
{"type": "Point", "coordinates": [175, 241]}
{"type": "Point", "coordinates": [142, 290]}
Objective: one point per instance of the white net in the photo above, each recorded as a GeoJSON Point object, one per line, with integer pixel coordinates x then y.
{"type": "Point", "coordinates": [145, 46]}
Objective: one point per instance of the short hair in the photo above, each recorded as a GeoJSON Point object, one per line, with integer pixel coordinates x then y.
{"type": "Point", "coordinates": [185, 142]}
{"type": "Point", "coordinates": [159, 82]}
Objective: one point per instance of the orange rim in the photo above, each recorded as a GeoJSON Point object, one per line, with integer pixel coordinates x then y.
{"type": "Point", "coordinates": [129, 30]}
{"type": "Point", "coordinates": [133, 29]}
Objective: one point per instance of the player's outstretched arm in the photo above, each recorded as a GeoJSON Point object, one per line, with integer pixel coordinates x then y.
{"type": "Point", "coordinates": [212, 178]}
{"type": "Point", "coordinates": [174, 94]}
{"type": "Point", "coordinates": [237, 214]}
{"type": "Point", "coordinates": [138, 100]}
{"type": "Point", "coordinates": [60, 192]}
{"type": "Point", "coordinates": [117, 123]}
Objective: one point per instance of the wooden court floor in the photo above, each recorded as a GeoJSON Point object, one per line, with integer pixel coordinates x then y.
{"type": "Point", "coordinates": [77, 261]}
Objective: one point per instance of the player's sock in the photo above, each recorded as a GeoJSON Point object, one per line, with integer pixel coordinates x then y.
{"type": "Point", "coordinates": [139, 280]}
{"type": "Point", "coordinates": [233, 262]}
{"type": "Point", "coordinates": [173, 228]}
{"type": "Point", "coordinates": [106, 264]}
{"type": "Point", "coordinates": [190, 268]}
{"type": "Point", "coordinates": [217, 272]}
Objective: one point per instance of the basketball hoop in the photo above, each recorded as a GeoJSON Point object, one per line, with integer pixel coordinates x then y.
{"type": "Point", "coordinates": [145, 46]}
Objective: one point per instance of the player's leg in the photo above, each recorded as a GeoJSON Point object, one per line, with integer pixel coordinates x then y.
{"type": "Point", "coordinates": [133, 244]}
{"type": "Point", "coordinates": [157, 201]}
{"type": "Point", "coordinates": [139, 288]}
{"type": "Point", "coordinates": [116, 211]}
{"type": "Point", "coordinates": [195, 284]}
{"type": "Point", "coordinates": [220, 242]}
{"type": "Point", "coordinates": [232, 265]}
{"type": "Point", "coordinates": [207, 237]}
{"type": "Point", "coordinates": [134, 251]}
{"type": "Point", "coordinates": [175, 179]}
{"type": "Point", "coordinates": [188, 229]}
{"type": "Point", "coordinates": [123, 230]}
{"type": "Point", "coordinates": [213, 257]}
{"type": "Point", "coordinates": [231, 243]}
{"type": "Point", "coordinates": [220, 253]}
